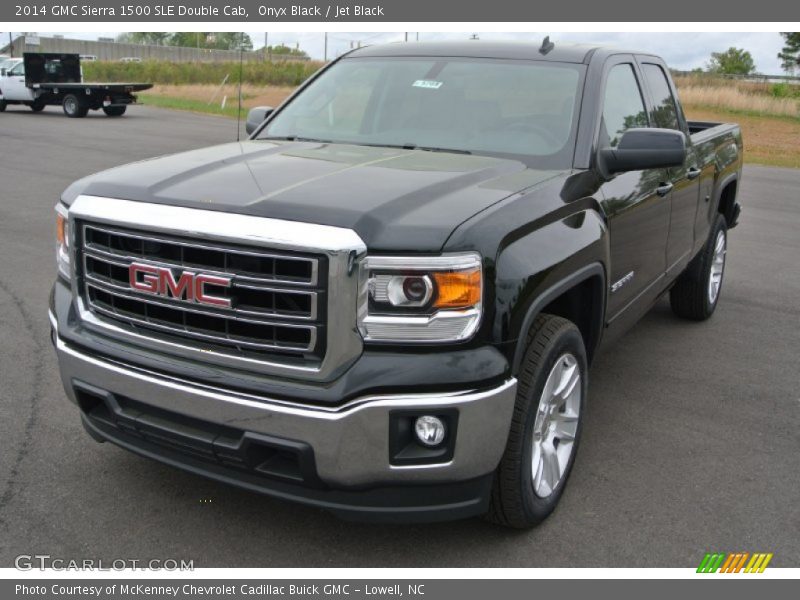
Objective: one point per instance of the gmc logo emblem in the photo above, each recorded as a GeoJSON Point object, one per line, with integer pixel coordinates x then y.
{"type": "Point", "coordinates": [160, 281]}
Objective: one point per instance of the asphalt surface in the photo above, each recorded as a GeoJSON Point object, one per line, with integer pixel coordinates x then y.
{"type": "Point", "coordinates": [692, 441]}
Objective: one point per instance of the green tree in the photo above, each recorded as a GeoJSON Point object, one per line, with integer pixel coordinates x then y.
{"type": "Point", "coordinates": [283, 50]}
{"type": "Point", "coordinates": [790, 55]}
{"type": "Point", "coordinates": [189, 39]}
{"type": "Point", "coordinates": [224, 40]}
{"type": "Point", "coordinates": [734, 61]}
{"type": "Point", "coordinates": [230, 40]}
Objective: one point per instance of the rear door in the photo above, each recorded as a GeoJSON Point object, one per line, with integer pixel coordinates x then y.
{"type": "Point", "coordinates": [638, 216]}
{"type": "Point", "coordinates": [665, 112]}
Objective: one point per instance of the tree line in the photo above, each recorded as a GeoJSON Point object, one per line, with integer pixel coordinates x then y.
{"type": "Point", "coordinates": [207, 40]}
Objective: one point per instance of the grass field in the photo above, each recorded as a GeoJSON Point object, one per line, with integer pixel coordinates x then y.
{"type": "Point", "coordinates": [769, 114]}
{"type": "Point", "coordinates": [206, 98]}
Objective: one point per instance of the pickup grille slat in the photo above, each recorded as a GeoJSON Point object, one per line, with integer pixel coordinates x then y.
{"type": "Point", "coordinates": [276, 301]}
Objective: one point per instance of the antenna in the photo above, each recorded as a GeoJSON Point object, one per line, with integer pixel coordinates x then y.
{"type": "Point", "coordinates": [239, 111]}
{"type": "Point", "coordinates": [547, 45]}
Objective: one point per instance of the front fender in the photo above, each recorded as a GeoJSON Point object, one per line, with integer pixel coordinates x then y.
{"type": "Point", "coordinates": [538, 268]}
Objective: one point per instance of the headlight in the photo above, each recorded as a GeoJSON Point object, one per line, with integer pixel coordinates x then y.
{"type": "Point", "coordinates": [62, 241]}
{"type": "Point", "coordinates": [418, 299]}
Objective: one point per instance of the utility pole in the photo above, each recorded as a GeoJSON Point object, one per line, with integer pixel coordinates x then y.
{"type": "Point", "coordinates": [10, 45]}
{"type": "Point", "coordinates": [266, 46]}
{"type": "Point", "coordinates": [326, 47]}
{"type": "Point", "coordinates": [418, 36]}
{"type": "Point", "coordinates": [406, 36]}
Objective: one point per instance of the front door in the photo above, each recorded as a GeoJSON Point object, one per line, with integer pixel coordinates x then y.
{"type": "Point", "coordinates": [13, 85]}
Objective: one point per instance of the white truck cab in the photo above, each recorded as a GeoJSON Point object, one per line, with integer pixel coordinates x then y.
{"type": "Point", "coordinates": [12, 82]}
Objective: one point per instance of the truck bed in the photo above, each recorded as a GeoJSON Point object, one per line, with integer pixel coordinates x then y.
{"type": "Point", "coordinates": [126, 87]}
{"type": "Point", "coordinates": [701, 130]}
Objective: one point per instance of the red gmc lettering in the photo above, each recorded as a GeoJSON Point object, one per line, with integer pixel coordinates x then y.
{"type": "Point", "coordinates": [189, 286]}
{"type": "Point", "coordinates": [149, 280]}
{"type": "Point", "coordinates": [200, 282]}
{"type": "Point", "coordinates": [167, 286]}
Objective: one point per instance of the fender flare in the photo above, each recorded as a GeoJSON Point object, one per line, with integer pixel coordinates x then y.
{"type": "Point", "coordinates": [595, 269]}
{"type": "Point", "coordinates": [721, 185]}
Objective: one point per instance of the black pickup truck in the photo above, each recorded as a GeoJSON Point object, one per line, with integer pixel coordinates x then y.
{"type": "Point", "coordinates": [40, 79]}
{"type": "Point", "coordinates": [386, 301]}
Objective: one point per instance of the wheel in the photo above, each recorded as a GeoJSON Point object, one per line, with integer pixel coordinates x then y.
{"type": "Point", "coordinates": [74, 106]}
{"type": "Point", "coordinates": [37, 105]}
{"type": "Point", "coordinates": [546, 425]}
{"type": "Point", "coordinates": [114, 111]}
{"type": "Point", "coordinates": [3, 105]}
{"type": "Point", "coordinates": [696, 292]}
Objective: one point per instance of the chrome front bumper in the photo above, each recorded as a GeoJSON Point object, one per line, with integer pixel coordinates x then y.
{"type": "Point", "coordinates": [350, 442]}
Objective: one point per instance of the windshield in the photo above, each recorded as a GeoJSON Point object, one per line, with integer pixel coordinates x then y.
{"type": "Point", "coordinates": [523, 109]}
{"type": "Point", "coordinates": [7, 63]}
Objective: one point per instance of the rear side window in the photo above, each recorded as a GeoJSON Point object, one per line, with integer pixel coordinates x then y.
{"type": "Point", "coordinates": [623, 107]}
{"type": "Point", "coordinates": [665, 112]}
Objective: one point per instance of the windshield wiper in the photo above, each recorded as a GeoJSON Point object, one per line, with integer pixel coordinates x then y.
{"type": "Point", "coordinates": [295, 138]}
{"type": "Point", "coordinates": [434, 149]}
{"type": "Point", "coordinates": [410, 146]}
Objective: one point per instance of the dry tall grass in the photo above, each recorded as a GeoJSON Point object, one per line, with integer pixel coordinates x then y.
{"type": "Point", "coordinates": [252, 95]}
{"type": "Point", "coordinates": [742, 96]}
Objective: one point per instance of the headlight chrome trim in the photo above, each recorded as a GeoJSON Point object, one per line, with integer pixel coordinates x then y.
{"type": "Point", "coordinates": [63, 258]}
{"type": "Point", "coordinates": [442, 326]}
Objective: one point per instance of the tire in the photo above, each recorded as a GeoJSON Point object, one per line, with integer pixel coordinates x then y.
{"type": "Point", "coordinates": [521, 496]}
{"type": "Point", "coordinates": [114, 111]}
{"type": "Point", "coordinates": [37, 106]}
{"type": "Point", "coordinates": [696, 292]}
{"type": "Point", "coordinates": [3, 105]}
{"type": "Point", "coordinates": [74, 106]}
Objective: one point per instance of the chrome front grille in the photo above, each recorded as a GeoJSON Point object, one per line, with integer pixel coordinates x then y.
{"type": "Point", "coordinates": [275, 301]}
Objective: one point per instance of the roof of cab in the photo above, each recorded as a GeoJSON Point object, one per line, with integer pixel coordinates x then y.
{"type": "Point", "coordinates": [572, 53]}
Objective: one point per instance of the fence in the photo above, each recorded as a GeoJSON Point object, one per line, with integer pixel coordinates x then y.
{"type": "Point", "coordinates": [113, 51]}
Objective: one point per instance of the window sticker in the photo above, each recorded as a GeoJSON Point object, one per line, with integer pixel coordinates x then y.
{"type": "Point", "coordinates": [427, 84]}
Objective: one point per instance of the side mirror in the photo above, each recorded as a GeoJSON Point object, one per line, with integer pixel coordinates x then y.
{"type": "Point", "coordinates": [645, 148]}
{"type": "Point", "coordinates": [256, 117]}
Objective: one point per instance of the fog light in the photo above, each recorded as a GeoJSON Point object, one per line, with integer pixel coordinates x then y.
{"type": "Point", "coordinates": [430, 430]}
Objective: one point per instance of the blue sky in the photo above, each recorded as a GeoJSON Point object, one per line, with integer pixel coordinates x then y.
{"type": "Point", "coordinates": [680, 50]}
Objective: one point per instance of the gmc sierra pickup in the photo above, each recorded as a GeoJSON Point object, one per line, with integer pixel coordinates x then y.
{"type": "Point", "coordinates": [385, 302]}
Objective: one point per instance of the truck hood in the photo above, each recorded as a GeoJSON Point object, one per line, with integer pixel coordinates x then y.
{"type": "Point", "coordinates": [395, 199]}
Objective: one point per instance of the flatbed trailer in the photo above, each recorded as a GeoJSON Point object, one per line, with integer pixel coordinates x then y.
{"type": "Point", "coordinates": [44, 79]}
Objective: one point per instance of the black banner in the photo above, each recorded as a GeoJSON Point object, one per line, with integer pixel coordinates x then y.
{"type": "Point", "coordinates": [378, 11]}
{"type": "Point", "coordinates": [731, 588]}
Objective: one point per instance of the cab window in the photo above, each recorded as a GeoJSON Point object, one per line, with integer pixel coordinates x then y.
{"type": "Point", "coordinates": [623, 106]}
{"type": "Point", "coordinates": [665, 111]}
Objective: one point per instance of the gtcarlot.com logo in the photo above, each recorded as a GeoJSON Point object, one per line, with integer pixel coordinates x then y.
{"type": "Point", "coordinates": [734, 562]}
{"type": "Point", "coordinates": [30, 562]}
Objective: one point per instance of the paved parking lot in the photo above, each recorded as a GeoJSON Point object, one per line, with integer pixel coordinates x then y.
{"type": "Point", "coordinates": [692, 441]}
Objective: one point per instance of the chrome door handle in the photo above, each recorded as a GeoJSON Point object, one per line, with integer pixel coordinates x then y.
{"type": "Point", "coordinates": [693, 173]}
{"type": "Point", "coordinates": [664, 189]}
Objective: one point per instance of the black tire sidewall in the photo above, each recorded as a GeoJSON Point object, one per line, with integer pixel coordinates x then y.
{"type": "Point", "coordinates": [708, 261]}
{"type": "Point", "coordinates": [571, 342]}
{"type": "Point", "coordinates": [78, 105]}
{"type": "Point", "coordinates": [114, 111]}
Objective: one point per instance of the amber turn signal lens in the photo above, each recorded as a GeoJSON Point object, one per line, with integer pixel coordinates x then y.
{"type": "Point", "coordinates": [458, 289]}
{"type": "Point", "coordinates": [61, 223]}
